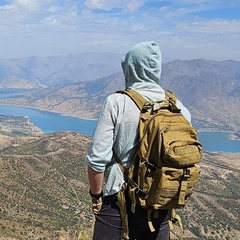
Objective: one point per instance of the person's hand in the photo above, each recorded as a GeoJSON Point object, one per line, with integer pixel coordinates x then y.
{"type": "Point", "coordinates": [96, 205]}
{"type": "Point", "coordinates": [96, 202]}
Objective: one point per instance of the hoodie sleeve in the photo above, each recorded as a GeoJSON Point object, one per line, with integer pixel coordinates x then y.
{"type": "Point", "coordinates": [100, 150]}
{"type": "Point", "coordinates": [184, 110]}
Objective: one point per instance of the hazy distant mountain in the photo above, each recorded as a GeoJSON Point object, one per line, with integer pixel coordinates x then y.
{"type": "Point", "coordinates": [32, 72]}
{"type": "Point", "coordinates": [210, 89]}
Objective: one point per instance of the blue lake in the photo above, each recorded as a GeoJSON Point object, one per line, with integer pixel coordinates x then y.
{"type": "Point", "coordinates": [218, 142]}
{"type": "Point", "coordinates": [50, 122]}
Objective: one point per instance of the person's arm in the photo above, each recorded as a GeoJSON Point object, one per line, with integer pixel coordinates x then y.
{"type": "Point", "coordinates": [185, 112]}
{"type": "Point", "coordinates": [95, 181]}
{"type": "Point", "coordinates": [100, 153]}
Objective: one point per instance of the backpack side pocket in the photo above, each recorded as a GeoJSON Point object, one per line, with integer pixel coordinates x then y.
{"type": "Point", "coordinates": [174, 187]}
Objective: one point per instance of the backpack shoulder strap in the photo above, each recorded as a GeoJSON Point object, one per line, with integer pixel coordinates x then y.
{"type": "Point", "coordinates": [135, 96]}
{"type": "Point", "coordinates": [140, 101]}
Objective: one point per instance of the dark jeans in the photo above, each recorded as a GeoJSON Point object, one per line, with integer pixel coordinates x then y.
{"type": "Point", "coordinates": [108, 223]}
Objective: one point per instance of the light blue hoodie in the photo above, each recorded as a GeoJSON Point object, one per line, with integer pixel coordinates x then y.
{"type": "Point", "coordinates": [117, 127]}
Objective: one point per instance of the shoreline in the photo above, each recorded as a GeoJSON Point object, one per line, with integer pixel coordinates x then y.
{"type": "Point", "coordinates": [232, 135]}
{"type": "Point", "coordinates": [50, 111]}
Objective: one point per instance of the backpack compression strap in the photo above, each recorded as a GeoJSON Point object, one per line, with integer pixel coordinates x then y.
{"type": "Point", "coordinates": [171, 97]}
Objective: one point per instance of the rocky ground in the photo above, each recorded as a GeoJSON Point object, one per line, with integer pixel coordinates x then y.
{"type": "Point", "coordinates": [44, 191]}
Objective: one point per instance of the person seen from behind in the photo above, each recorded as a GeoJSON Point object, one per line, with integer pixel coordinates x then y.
{"type": "Point", "coordinates": [117, 130]}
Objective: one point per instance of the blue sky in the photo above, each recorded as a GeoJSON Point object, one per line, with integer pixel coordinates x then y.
{"type": "Point", "coordinates": [184, 29]}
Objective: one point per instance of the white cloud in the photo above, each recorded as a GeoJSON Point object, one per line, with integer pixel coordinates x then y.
{"type": "Point", "coordinates": [213, 26]}
{"type": "Point", "coordinates": [129, 5]}
{"type": "Point", "coordinates": [52, 20]}
{"type": "Point", "coordinates": [31, 5]}
{"type": "Point", "coordinates": [55, 27]}
{"type": "Point", "coordinates": [103, 4]}
{"type": "Point", "coordinates": [134, 5]}
{"type": "Point", "coordinates": [7, 8]}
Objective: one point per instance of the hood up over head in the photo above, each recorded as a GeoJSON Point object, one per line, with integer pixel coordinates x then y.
{"type": "Point", "coordinates": [142, 66]}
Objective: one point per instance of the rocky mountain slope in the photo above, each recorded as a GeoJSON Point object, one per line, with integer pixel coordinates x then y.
{"type": "Point", "coordinates": [44, 191]}
{"type": "Point", "coordinates": [210, 89]}
{"type": "Point", "coordinates": [43, 187]}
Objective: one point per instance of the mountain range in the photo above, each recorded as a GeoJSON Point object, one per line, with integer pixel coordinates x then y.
{"type": "Point", "coordinates": [39, 72]}
{"type": "Point", "coordinates": [43, 183]}
{"type": "Point", "coordinates": [77, 85]}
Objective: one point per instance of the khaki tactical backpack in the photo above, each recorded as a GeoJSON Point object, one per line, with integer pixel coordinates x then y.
{"type": "Point", "coordinates": [163, 172]}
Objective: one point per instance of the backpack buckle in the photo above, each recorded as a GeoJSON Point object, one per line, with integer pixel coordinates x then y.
{"type": "Point", "coordinates": [186, 173]}
{"type": "Point", "coordinates": [147, 107]}
{"type": "Point", "coordinates": [151, 166]}
{"type": "Point", "coordinates": [141, 193]}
